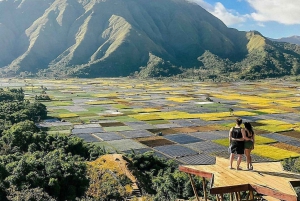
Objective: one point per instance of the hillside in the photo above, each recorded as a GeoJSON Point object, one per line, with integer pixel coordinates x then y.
{"type": "Point", "coordinates": [292, 39]}
{"type": "Point", "coordinates": [101, 38]}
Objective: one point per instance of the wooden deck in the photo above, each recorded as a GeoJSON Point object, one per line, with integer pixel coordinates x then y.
{"type": "Point", "coordinates": [267, 178]}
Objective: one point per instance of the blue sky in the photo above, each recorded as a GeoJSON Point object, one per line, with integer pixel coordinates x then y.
{"type": "Point", "coordinates": [272, 18]}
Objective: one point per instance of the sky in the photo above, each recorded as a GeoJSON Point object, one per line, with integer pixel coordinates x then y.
{"type": "Point", "coordinates": [272, 18]}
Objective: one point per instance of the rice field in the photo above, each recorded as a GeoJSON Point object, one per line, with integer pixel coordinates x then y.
{"type": "Point", "coordinates": [186, 121]}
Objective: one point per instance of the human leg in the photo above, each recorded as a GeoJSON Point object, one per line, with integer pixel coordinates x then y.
{"type": "Point", "coordinates": [239, 160]}
{"type": "Point", "coordinates": [231, 158]}
{"type": "Point", "coordinates": [250, 160]}
{"type": "Point", "coordinates": [247, 153]}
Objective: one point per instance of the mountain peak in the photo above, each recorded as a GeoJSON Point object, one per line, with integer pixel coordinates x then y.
{"type": "Point", "coordinates": [114, 37]}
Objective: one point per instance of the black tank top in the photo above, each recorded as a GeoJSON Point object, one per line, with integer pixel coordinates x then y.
{"type": "Point", "coordinates": [237, 133]}
{"type": "Point", "coordinates": [248, 134]}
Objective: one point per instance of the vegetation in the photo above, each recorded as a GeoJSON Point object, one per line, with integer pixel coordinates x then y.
{"type": "Point", "coordinates": [161, 178]}
{"type": "Point", "coordinates": [34, 165]}
{"type": "Point", "coordinates": [274, 152]}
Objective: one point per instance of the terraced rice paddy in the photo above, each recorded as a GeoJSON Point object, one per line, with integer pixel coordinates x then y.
{"type": "Point", "coordinates": [186, 121]}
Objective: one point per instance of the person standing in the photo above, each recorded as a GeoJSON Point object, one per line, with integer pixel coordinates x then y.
{"type": "Point", "coordinates": [236, 141]}
{"type": "Point", "coordinates": [248, 135]}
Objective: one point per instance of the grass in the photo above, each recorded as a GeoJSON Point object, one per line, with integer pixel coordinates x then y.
{"type": "Point", "coordinates": [272, 111]}
{"type": "Point", "coordinates": [121, 106]}
{"type": "Point", "coordinates": [68, 115]}
{"type": "Point", "coordinates": [180, 99]}
{"type": "Point", "coordinates": [95, 108]}
{"type": "Point", "coordinates": [173, 115]}
{"type": "Point", "coordinates": [275, 128]}
{"type": "Point", "coordinates": [123, 119]}
{"type": "Point", "coordinates": [274, 153]}
{"type": "Point", "coordinates": [146, 116]}
{"type": "Point", "coordinates": [221, 115]}
{"type": "Point", "coordinates": [57, 128]}
{"type": "Point", "coordinates": [259, 140]}
{"type": "Point", "coordinates": [117, 128]}
{"type": "Point", "coordinates": [145, 110]}
{"type": "Point", "coordinates": [287, 147]}
{"type": "Point", "coordinates": [58, 111]}
{"type": "Point", "coordinates": [156, 122]}
{"type": "Point", "coordinates": [86, 114]}
{"type": "Point", "coordinates": [273, 122]}
{"type": "Point", "coordinates": [62, 103]}
{"type": "Point", "coordinates": [60, 132]}
{"type": "Point", "coordinates": [272, 125]}
{"type": "Point", "coordinates": [105, 102]}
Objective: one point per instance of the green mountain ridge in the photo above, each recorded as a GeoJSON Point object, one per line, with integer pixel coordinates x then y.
{"type": "Point", "coordinates": [101, 38]}
{"type": "Point", "coordinates": [291, 39]}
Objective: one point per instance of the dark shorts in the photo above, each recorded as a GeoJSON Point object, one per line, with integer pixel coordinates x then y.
{"type": "Point", "coordinates": [237, 147]}
{"type": "Point", "coordinates": [248, 144]}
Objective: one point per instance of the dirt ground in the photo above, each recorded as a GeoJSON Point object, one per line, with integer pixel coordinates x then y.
{"type": "Point", "coordinates": [112, 124]}
{"type": "Point", "coordinates": [155, 141]}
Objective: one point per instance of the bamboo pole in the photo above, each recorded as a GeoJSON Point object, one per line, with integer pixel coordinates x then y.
{"type": "Point", "coordinates": [222, 197]}
{"type": "Point", "coordinates": [194, 187]}
{"type": "Point", "coordinates": [237, 196]}
{"type": "Point", "coordinates": [248, 196]}
{"type": "Point", "coordinates": [251, 195]}
{"type": "Point", "coordinates": [204, 188]}
{"type": "Point", "coordinates": [231, 196]}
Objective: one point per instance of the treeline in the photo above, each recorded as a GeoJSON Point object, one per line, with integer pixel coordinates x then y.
{"type": "Point", "coordinates": [270, 61]}
{"type": "Point", "coordinates": [34, 165]}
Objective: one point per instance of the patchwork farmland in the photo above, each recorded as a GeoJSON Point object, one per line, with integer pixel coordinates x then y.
{"type": "Point", "coordinates": [185, 121]}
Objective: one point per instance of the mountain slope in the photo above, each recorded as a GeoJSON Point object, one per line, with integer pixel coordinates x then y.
{"type": "Point", "coordinates": [292, 39]}
{"type": "Point", "coordinates": [93, 38]}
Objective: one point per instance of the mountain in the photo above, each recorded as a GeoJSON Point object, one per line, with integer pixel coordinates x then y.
{"type": "Point", "coordinates": [291, 39]}
{"type": "Point", "coordinates": [101, 38]}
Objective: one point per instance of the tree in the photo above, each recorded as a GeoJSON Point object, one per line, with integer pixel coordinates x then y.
{"type": "Point", "coordinates": [296, 68]}
{"type": "Point", "coordinates": [108, 180]}
{"type": "Point", "coordinates": [28, 194]}
{"type": "Point", "coordinates": [61, 175]}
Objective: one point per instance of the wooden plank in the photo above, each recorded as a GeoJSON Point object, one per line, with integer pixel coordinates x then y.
{"type": "Point", "coordinates": [273, 193]}
{"type": "Point", "coordinates": [271, 174]}
{"type": "Point", "coordinates": [195, 172]}
{"type": "Point", "coordinates": [230, 189]}
{"type": "Point", "coordinates": [194, 187]}
{"type": "Point", "coordinates": [251, 195]}
{"type": "Point", "coordinates": [237, 196]}
{"type": "Point", "coordinates": [231, 197]}
{"type": "Point", "coordinates": [269, 198]}
{"type": "Point", "coordinates": [204, 188]}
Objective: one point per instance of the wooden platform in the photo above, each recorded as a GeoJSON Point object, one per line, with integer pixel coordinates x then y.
{"type": "Point", "coordinates": [267, 178]}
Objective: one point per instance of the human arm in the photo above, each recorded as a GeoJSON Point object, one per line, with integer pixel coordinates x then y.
{"type": "Point", "coordinates": [230, 135]}
{"type": "Point", "coordinates": [245, 136]}
{"type": "Point", "coordinates": [253, 138]}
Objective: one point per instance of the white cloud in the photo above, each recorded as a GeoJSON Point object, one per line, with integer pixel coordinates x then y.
{"type": "Point", "coordinates": [229, 17]}
{"type": "Point", "coordinates": [282, 11]}
{"type": "Point", "coordinates": [261, 24]}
